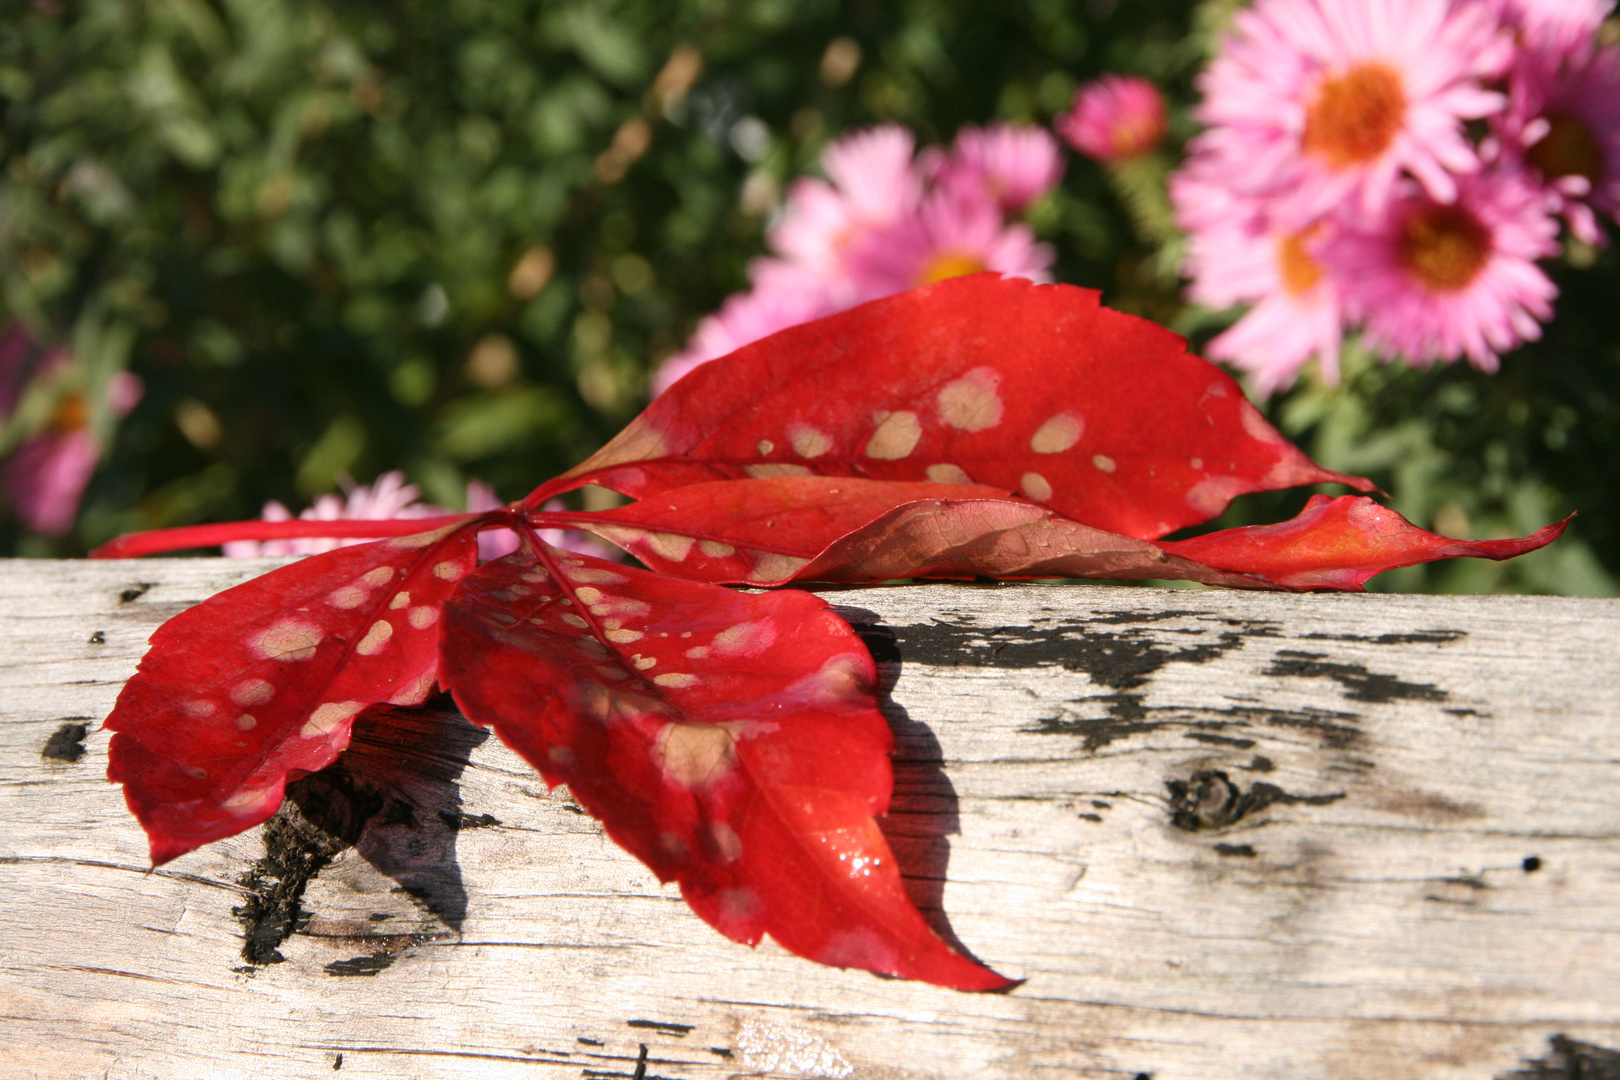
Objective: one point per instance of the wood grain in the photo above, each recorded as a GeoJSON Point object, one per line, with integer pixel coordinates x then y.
{"type": "Point", "coordinates": [1219, 835]}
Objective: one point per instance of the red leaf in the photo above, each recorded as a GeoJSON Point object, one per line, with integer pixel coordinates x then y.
{"type": "Point", "coordinates": [1028, 388]}
{"type": "Point", "coordinates": [760, 532]}
{"type": "Point", "coordinates": [259, 685]}
{"type": "Point", "coordinates": [1340, 543]}
{"type": "Point", "coordinates": [730, 741]}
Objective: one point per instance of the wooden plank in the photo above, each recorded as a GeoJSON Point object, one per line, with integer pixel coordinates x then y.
{"type": "Point", "coordinates": [1220, 835]}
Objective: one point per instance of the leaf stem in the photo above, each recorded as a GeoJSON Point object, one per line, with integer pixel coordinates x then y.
{"type": "Point", "coordinates": [158, 541]}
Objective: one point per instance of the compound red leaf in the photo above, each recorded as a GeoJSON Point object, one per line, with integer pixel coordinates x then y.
{"type": "Point", "coordinates": [1340, 543]}
{"type": "Point", "coordinates": [259, 685]}
{"type": "Point", "coordinates": [1036, 389]}
{"type": "Point", "coordinates": [730, 741]}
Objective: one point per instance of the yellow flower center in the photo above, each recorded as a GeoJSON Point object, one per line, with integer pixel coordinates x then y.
{"type": "Point", "coordinates": [949, 264]}
{"type": "Point", "coordinates": [1568, 149]}
{"type": "Point", "coordinates": [71, 414]}
{"type": "Point", "coordinates": [1299, 271]}
{"type": "Point", "coordinates": [1355, 115]}
{"type": "Point", "coordinates": [1445, 247]}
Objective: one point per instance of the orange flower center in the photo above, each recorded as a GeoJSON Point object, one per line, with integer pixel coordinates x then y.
{"type": "Point", "coordinates": [1568, 149]}
{"type": "Point", "coordinates": [1445, 247]}
{"type": "Point", "coordinates": [1355, 115]}
{"type": "Point", "coordinates": [1299, 271]}
{"type": "Point", "coordinates": [71, 414]}
{"type": "Point", "coordinates": [949, 264]}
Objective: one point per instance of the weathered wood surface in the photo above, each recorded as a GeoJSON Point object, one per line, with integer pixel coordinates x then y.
{"type": "Point", "coordinates": [1221, 836]}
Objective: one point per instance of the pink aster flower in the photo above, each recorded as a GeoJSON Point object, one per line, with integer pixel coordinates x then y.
{"type": "Point", "coordinates": [873, 181]}
{"type": "Point", "coordinates": [1559, 24]}
{"type": "Point", "coordinates": [1563, 122]}
{"type": "Point", "coordinates": [1114, 118]}
{"type": "Point", "coordinates": [1328, 101]}
{"type": "Point", "coordinates": [47, 474]}
{"type": "Point", "coordinates": [1437, 281]}
{"type": "Point", "coordinates": [1297, 305]}
{"type": "Point", "coordinates": [390, 497]}
{"type": "Point", "coordinates": [950, 235]}
{"type": "Point", "coordinates": [1011, 165]}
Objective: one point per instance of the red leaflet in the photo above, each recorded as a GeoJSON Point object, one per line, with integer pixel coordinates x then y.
{"type": "Point", "coordinates": [1030, 388]}
{"type": "Point", "coordinates": [259, 685]}
{"type": "Point", "coordinates": [1340, 543]}
{"type": "Point", "coordinates": [730, 741]}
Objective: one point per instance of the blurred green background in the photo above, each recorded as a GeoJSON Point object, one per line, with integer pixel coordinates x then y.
{"type": "Point", "coordinates": [455, 237]}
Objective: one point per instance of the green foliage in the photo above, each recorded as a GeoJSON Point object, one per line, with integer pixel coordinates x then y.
{"type": "Point", "coordinates": [455, 237]}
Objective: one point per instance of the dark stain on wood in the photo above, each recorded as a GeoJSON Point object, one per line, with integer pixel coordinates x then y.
{"type": "Point", "coordinates": [97, 638]}
{"type": "Point", "coordinates": [135, 592]}
{"type": "Point", "coordinates": [661, 1026]}
{"type": "Point", "coordinates": [66, 743]}
{"type": "Point", "coordinates": [393, 796]}
{"type": "Point", "coordinates": [1210, 800]}
{"type": "Point", "coordinates": [1570, 1059]}
{"type": "Point", "coordinates": [1417, 637]}
{"type": "Point", "coordinates": [1359, 684]}
{"type": "Point", "coordinates": [1531, 864]}
{"type": "Point", "coordinates": [1245, 851]}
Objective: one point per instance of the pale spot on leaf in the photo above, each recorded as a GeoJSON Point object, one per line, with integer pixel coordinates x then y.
{"type": "Point", "coordinates": [694, 755]}
{"type": "Point", "coordinates": [745, 639]}
{"type": "Point", "coordinates": [1035, 486]}
{"type": "Point", "coordinates": [422, 616]}
{"type": "Point", "coordinates": [196, 772]}
{"type": "Point", "coordinates": [1103, 462]}
{"type": "Point", "coordinates": [1256, 425]}
{"type": "Point", "coordinates": [417, 691]}
{"type": "Point", "coordinates": [772, 566]}
{"type": "Point", "coordinates": [400, 600]}
{"type": "Point", "coordinates": [623, 637]}
{"type": "Point", "coordinates": [1210, 495]}
{"type": "Point", "coordinates": [246, 722]}
{"type": "Point", "coordinates": [378, 576]}
{"type": "Point", "coordinates": [535, 577]}
{"type": "Point", "coordinates": [289, 640]}
{"type": "Point", "coordinates": [771, 469]}
{"type": "Point", "coordinates": [1197, 463]}
{"type": "Point", "coordinates": [743, 905]}
{"type": "Point", "coordinates": [574, 620]}
{"type": "Point", "coordinates": [447, 570]}
{"type": "Point", "coordinates": [946, 473]}
{"type": "Point", "coordinates": [375, 638]}
{"type": "Point", "coordinates": [675, 679]}
{"type": "Point", "coordinates": [420, 540]}
{"type": "Point", "coordinates": [698, 652]}
{"type": "Point", "coordinates": [247, 798]}
{"type": "Point", "coordinates": [1057, 434]}
{"type": "Point", "coordinates": [895, 437]}
{"type": "Point", "coordinates": [644, 662]}
{"type": "Point", "coordinates": [588, 595]}
{"type": "Point", "coordinates": [808, 442]}
{"type": "Point", "coordinates": [199, 708]}
{"type": "Point", "coordinates": [327, 717]}
{"type": "Point", "coordinates": [347, 597]}
{"type": "Point", "coordinates": [607, 671]}
{"type": "Point", "coordinates": [727, 844]}
{"type": "Point", "coordinates": [590, 575]}
{"type": "Point", "coordinates": [714, 549]}
{"type": "Point", "coordinates": [765, 447]}
{"type": "Point", "coordinates": [621, 605]}
{"type": "Point", "coordinates": [252, 692]}
{"type": "Point", "coordinates": [971, 403]}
